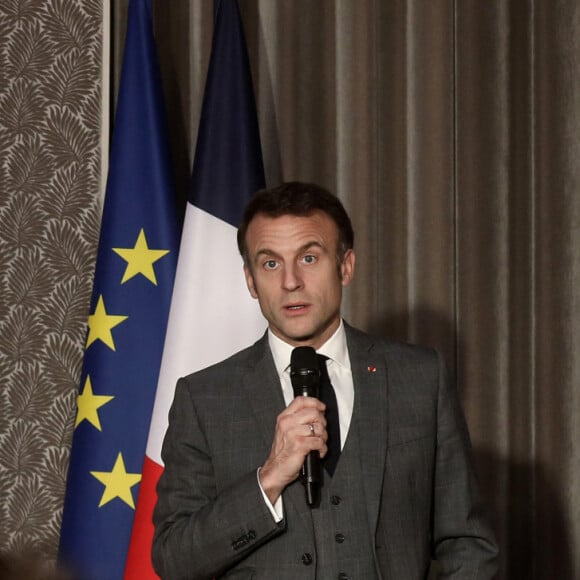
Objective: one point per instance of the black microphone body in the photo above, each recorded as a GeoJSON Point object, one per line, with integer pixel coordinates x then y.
{"type": "Point", "coordinates": [305, 377]}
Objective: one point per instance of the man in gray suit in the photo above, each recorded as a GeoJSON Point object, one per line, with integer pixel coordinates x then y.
{"type": "Point", "coordinates": [403, 492]}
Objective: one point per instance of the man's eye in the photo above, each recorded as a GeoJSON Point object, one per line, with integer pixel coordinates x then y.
{"type": "Point", "coordinates": [309, 259]}
{"type": "Point", "coordinates": [270, 264]}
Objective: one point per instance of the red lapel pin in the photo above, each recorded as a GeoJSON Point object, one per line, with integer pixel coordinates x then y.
{"type": "Point", "coordinates": [372, 369]}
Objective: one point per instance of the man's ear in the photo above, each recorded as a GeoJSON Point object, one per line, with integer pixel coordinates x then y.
{"type": "Point", "coordinates": [347, 267]}
{"type": "Point", "coordinates": [250, 282]}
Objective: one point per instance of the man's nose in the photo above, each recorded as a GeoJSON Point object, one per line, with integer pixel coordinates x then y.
{"type": "Point", "coordinates": [291, 279]}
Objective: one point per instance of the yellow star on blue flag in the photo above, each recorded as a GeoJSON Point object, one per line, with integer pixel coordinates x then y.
{"type": "Point", "coordinates": [140, 259]}
{"type": "Point", "coordinates": [88, 405]}
{"type": "Point", "coordinates": [118, 483]}
{"type": "Point", "coordinates": [101, 323]}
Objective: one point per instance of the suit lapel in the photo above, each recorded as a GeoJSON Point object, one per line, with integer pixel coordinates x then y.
{"type": "Point", "coordinates": [369, 375]}
{"type": "Point", "coordinates": [262, 386]}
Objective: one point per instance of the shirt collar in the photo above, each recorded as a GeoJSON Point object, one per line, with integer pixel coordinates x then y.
{"type": "Point", "coordinates": [334, 348]}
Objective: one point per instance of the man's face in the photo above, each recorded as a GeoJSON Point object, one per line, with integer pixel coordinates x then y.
{"type": "Point", "coordinates": [292, 270]}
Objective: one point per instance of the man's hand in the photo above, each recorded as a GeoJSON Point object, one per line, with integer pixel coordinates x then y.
{"type": "Point", "coordinates": [293, 440]}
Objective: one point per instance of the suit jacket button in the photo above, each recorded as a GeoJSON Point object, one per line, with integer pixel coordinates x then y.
{"type": "Point", "coordinates": [339, 538]}
{"type": "Point", "coordinates": [343, 576]}
{"type": "Point", "coordinates": [335, 500]}
{"type": "Point", "coordinates": [307, 559]}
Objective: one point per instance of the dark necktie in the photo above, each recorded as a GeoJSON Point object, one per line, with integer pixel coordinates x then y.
{"type": "Point", "coordinates": [328, 397]}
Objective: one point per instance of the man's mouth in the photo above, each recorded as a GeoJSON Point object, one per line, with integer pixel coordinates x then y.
{"type": "Point", "coordinates": [295, 307]}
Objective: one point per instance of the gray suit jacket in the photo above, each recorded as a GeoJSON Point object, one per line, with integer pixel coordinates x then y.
{"type": "Point", "coordinates": [422, 499]}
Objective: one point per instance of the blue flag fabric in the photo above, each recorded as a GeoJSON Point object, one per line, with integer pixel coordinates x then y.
{"type": "Point", "coordinates": [132, 291]}
{"type": "Point", "coordinates": [228, 165]}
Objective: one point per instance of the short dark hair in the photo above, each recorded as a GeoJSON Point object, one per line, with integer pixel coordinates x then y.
{"type": "Point", "coordinates": [299, 199]}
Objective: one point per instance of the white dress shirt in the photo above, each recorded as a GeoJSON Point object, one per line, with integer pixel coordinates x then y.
{"type": "Point", "coordinates": [338, 365]}
{"type": "Point", "coordinates": [339, 371]}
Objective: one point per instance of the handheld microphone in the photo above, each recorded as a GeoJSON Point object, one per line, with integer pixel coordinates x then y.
{"type": "Point", "coordinates": [305, 377]}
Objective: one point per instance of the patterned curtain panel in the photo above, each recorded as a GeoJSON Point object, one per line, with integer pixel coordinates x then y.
{"type": "Point", "coordinates": [50, 172]}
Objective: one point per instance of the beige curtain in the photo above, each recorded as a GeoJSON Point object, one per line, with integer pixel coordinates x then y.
{"type": "Point", "coordinates": [451, 131]}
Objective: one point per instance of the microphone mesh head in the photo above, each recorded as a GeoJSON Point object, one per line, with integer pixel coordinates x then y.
{"type": "Point", "coordinates": [304, 371]}
{"type": "Point", "coordinates": [304, 357]}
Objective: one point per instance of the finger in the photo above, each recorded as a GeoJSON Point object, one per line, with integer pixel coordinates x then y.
{"type": "Point", "coordinates": [289, 419]}
{"type": "Point", "coordinates": [311, 416]}
{"type": "Point", "coordinates": [300, 403]}
{"type": "Point", "coordinates": [315, 429]}
{"type": "Point", "coordinates": [310, 443]}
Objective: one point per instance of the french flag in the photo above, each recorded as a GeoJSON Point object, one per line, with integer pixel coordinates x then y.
{"type": "Point", "coordinates": [212, 314]}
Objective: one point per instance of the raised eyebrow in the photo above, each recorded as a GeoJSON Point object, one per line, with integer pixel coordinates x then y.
{"type": "Point", "coordinates": [307, 246]}
{"type": "Point", "coordinates": [267, 252]}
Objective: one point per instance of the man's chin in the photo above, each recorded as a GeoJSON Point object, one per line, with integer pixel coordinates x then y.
{"type": "Point", "coordinates": [304, 340]}
{"type": "Point", "coordinates": [295, 336]}
{"type": "Point", "coordinates": [303, 336]}
{"type": "Point", "coordinates": [301, 339]}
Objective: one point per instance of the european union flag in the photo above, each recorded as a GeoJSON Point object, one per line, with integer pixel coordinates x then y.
{"type": "Point", "coordinates": [132, 291]}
